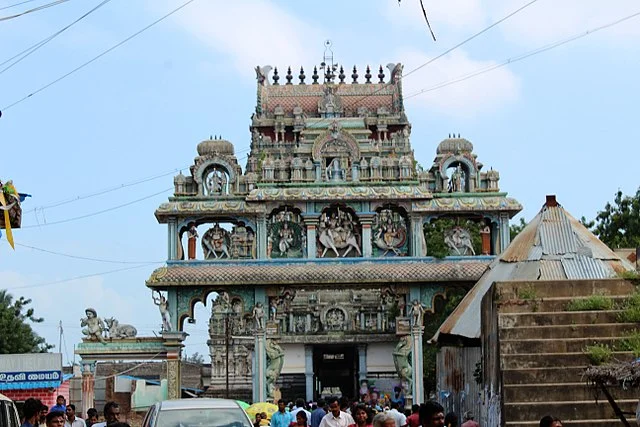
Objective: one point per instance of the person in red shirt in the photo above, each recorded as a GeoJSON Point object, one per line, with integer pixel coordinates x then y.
{"type": "Point", "coordinates": [468, 420]}
{"type": "Point", "coordinates": [413, 420]}
{"type": "Point", "coordinates": [362, 417]}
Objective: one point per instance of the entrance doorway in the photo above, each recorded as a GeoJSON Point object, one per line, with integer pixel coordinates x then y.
{"type": "Point", "coordinates": [335, 370]}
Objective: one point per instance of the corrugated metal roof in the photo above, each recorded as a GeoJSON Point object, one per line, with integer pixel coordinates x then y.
{"type": "Point", "coordinates": [551, 270]}
{"type": "Point", "coordinates": [553, 246]}
{"type": "Point", "coordinates": [582, 267]}
{"type": "Point", "coordinates": [556, 233]}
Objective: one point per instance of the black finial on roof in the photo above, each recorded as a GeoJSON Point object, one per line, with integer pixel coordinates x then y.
{"type": "Point", "coordinates": [315, 75]}
{"type": "Point", "coordinates": [381, 74]}
{"type": "Point", "coordinates": [289, 76]}
{"type": "Point", "coordinates": [276, 77]}
{"type": "Point", "coordinates": [458, 136]}
{"type": "Point", "coordinates": [301, 76]}
{"type": "Point", "coordinates": [354, 75]}
{"type": "Point", "coordinates": [449, 135]}
{"type": "Point", "coordinates": [341, 76]}
{"type": "Point", "coordinates": [367, 75]}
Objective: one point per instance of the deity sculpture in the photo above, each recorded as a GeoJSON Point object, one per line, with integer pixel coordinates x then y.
{"type": "Point", "coordinates": [215, 243]}
{"type": "Point", "coordinates": [192, 235]}
{"type": "Point", "coordinates": [275, 361]}
{"type": "Point", "coordinates": [334, 171]}
{"type": "Point", "coordinates": [416, 312]}
{"type": "Point", "coordinates": [459, 241]}
{"type": "Point", "coordinates": [216, 182]}
{"type": "Point", "coordinates": [401, 360]}
{"type": "Point", "coordinates": [94, 325]}
{"type": "Point", "coordinates": [163, 305]}
{"type": "Point", "coordinates": [457, 180]}
{"type": "Point", "coordinates": [258, 315]}
{"type": "Point", "coordinates": [286, 238]}
{"type": "Point", "coordinates": [337, 232]}
{"type": "Point", "coordinates": [390, 233]}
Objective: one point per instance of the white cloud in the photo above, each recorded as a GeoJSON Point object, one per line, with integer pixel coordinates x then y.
{"type": "Point", "coordinates": [483, 94]}
{"type": "Point", "coordinates": [547, 21]}
{"type": "Point", "coordinates": [252, 32]}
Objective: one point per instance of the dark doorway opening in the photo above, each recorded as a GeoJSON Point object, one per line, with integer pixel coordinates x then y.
{"type": "Point", "coordinates": [335, 370]}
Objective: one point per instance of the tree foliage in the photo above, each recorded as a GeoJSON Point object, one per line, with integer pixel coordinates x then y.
{"type": "Point", "coordinates": [194, 358]}
{"type": "Point", "coordinates": [434, 233]}
{"type": "Point", "coordinates": [618, 224]}
{"type": "Point", "coordinates": [16, 334]}
{"type": "Point", "coordinates": [515, 229]}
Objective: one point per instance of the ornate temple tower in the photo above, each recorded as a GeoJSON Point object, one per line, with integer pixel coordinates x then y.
{"type": "Point", "coordinates": [317, 250]}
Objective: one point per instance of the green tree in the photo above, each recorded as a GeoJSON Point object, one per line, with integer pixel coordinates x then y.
{"type": "Point", "coordinates": [435, 230]}
{"type": "Point", "coordinates": [16, 335]}
{"type": "Point", "coordinates": [515, 229]}
{"type": "Point", "coordinates": [618, 224]}
{"type": "Point", "coordinates": [194, 358]}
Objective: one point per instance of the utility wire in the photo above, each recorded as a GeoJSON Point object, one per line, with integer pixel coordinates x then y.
{"type": "Point", "coordinates": [84, 276]}
{"type": "Point", "coordinates": [104, 191]}
{"type": "Point", "coordinates": [98, 212]}
{"type": "Point", "coordinates": [523, 56]}
{"type": "Point", "coordinates": [16, 4]}
{"type": "Point", "coordinates": [108, 261]}
{"type": "Point", "coordinates": [25, 53]}
{"type": "Point", "coordinates": [95, 58]}
{"type": "Point", "coordinates": [35, 9]}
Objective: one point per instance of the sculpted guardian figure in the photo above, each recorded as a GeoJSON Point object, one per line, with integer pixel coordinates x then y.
{"type": "Point", "coordinates": [163, 305]}
{"type": "Point", "coordinates": [94, 325]}
{"type": "Point", "coordinates": [275, 361]}
{"type": "Point", "coordinates": [258, 315]}
{"type": "Point", "coordinates": [417, 311]}
{"type": "Point", "coordinates": [401, 355]}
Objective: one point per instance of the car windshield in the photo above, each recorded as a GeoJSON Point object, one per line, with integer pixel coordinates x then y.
{"type": "Point", "coordinates": [203, 417]}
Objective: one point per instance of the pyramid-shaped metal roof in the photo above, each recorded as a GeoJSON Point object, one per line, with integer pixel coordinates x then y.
{"type": "Point", "coordinates": [553, 246]}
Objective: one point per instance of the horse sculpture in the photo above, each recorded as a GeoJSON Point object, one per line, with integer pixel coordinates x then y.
{"type": "Point", "coordinates": [116, 330]}
{"type": "Point", "coordinates": [330, 242]}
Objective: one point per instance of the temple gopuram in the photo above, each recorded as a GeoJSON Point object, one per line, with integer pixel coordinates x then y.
{"type": "Point", "coordinates": [321, 256]}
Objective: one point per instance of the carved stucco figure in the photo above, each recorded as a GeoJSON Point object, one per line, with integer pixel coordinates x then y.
{"type": "Point", "coordinates": [275, 361]}
{"type": "Point", "coordinates": [401, 360]}
{"type": "Point", "coordinates": [94, 325]}
{"type": "Point", "coordinates": [116, 330]}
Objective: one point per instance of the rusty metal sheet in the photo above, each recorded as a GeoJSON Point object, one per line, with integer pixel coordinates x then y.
{"type": "Point", "coordinates": [582, 267]}
{"type": "Point", "coordinates": [552, 270]}
{"type": "Point", "coordinates": [556, 234]}
{"type": "Point", "coordinates": [520, 247]}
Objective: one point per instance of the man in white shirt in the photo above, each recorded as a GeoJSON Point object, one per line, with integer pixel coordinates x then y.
{"type": "Point", "coordinates": [401, 419]}
{"type": "Point", "coordinates": [335, 417]}
{"type": "Point", "coordinates": [300, 407]}
{"type": "Point", "coordinates": [72, 420]}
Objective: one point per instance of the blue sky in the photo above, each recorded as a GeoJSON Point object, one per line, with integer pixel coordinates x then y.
{"type": "Point", "coordinates": [561, 122]}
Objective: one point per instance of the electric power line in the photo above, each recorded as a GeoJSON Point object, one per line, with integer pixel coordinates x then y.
{"type": "Point", "coordinates": [108, 261]}
{"type": "Point", "coordinates": [62, 221]}
{"type": "Point", "coordinates": [25, 53]}
{"type": "Point", "coordinates": [35, 9]}
{"type": "Point", "coordinates": [84, 276]}
{"type": "Point", "coordinates": [522, 56]}
{"type": "Point", "coordinates": [16, 4]}
{"type": "Point", "coordinates": [95, 58]}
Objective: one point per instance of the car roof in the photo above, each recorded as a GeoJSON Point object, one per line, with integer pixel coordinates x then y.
{"type": "Point", "coordinates": [169, 405]}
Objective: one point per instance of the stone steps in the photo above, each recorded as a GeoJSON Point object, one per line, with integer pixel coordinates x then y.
{"type": "Point", "coordinates": [509, 320]}
{"type": "Point", "coordinates": [566, 410]}
{"type": "Point", "coordinates": [552, 360]}
{"type": "Point", "coordinates": [568, 331]}
{"type": "Point", "coordinates": [546, 304]}
{"type": "Point", "coordinates": [555, 288]}
{"type": "Point", "coordinates": [559, 391]}
{"type": "Point", "coordinates": [554, 345]}
{"type": "Point", "coordinates": [543, 375]}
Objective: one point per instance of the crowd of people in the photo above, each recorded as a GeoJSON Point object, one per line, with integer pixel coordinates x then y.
{"type": "Point", "coordinates": [37, 414]}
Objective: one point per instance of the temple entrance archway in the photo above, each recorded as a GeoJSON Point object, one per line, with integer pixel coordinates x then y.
{"type": "Point", "coordinates": [335, 368]}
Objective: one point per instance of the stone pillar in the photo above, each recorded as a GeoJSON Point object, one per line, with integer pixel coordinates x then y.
{"type": "Point", "coordinates": [261, 237]}
{"type": "Point", "coordinates": [362, 363]}
{"type": "Point", "coordinates": [366, 219]}
{"type": "Point", "coordinates": [318, 171]}
{"type": "Point", "coordinates": [88, 385]}
{"type": "Point", "coordinates": [308, 372]}
{"type": "Point", "coordinates": [355, 172]}
{"type": "Point", "coordinates": [172, 239]}
{"type": "Point", "coordinates": [418, 245]}
{"type": "Point", "coordinates": [260, 367]}
{"type": "Point", "coordinates": [505, 235]}
{"type": "Point", "coordinates": [173, 345]}
{"type": "Point", "coordinates": [310, 223]}
{"type": "Point", "coordinates": [172, 300]}
{"type": "Point", "coordinates": [417, 388]}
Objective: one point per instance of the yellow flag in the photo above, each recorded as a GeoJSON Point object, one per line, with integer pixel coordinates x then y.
{"type": "Point", "coordinates": [7, 220]}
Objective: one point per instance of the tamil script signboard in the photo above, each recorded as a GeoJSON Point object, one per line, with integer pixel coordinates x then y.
{"type": "Point", "coordinates": [25, 371]}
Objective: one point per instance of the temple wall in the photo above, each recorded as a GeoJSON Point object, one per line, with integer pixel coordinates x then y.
{"type": "Point", "coordinates": [379, 357]}
{"type": "Point", "coordinates": [293, 358]}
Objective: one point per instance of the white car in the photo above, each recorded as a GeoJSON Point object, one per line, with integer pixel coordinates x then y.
{"type": "Point", "coordinates": [196, 413]}
{"type": "Point", "coordinates": [8, 412]}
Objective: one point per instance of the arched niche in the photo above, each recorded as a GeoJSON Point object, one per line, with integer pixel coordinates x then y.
{"type": "Point", "coordinates": [390, 231]}
{"type": "Point", "coordinates": [217, 238]}
{"type": "Point", "coordinates": [236, 303]}
{"type": "Point", "coordinates": [336, 151]}
{"type": "Point", "coordinates": [460, 173]}
{"type": "Point", "coordinates": [339, 233]}
{"type": "Point", "coordinates": [286, 235]}
{"type": "Point", "coordinates": [214, 177]}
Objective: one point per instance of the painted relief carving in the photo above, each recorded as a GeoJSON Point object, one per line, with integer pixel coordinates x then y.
{"type": "Point", "coordinates": [459, 242]}
{"type": "Point", "coordinates": [389, 234]}
{"type": "Point", "coordinates": [216, 182]}
{"type": "Point", "coordinates": [286, 236]}
{"type": "Point", "coordinates": [218, 243]}
{"type": "Point", "coordinates": [338, 235]}
{"type": "Point", "coordinates": [243, 242]}
{"type": "Point", "coordinates": [215, 243]}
